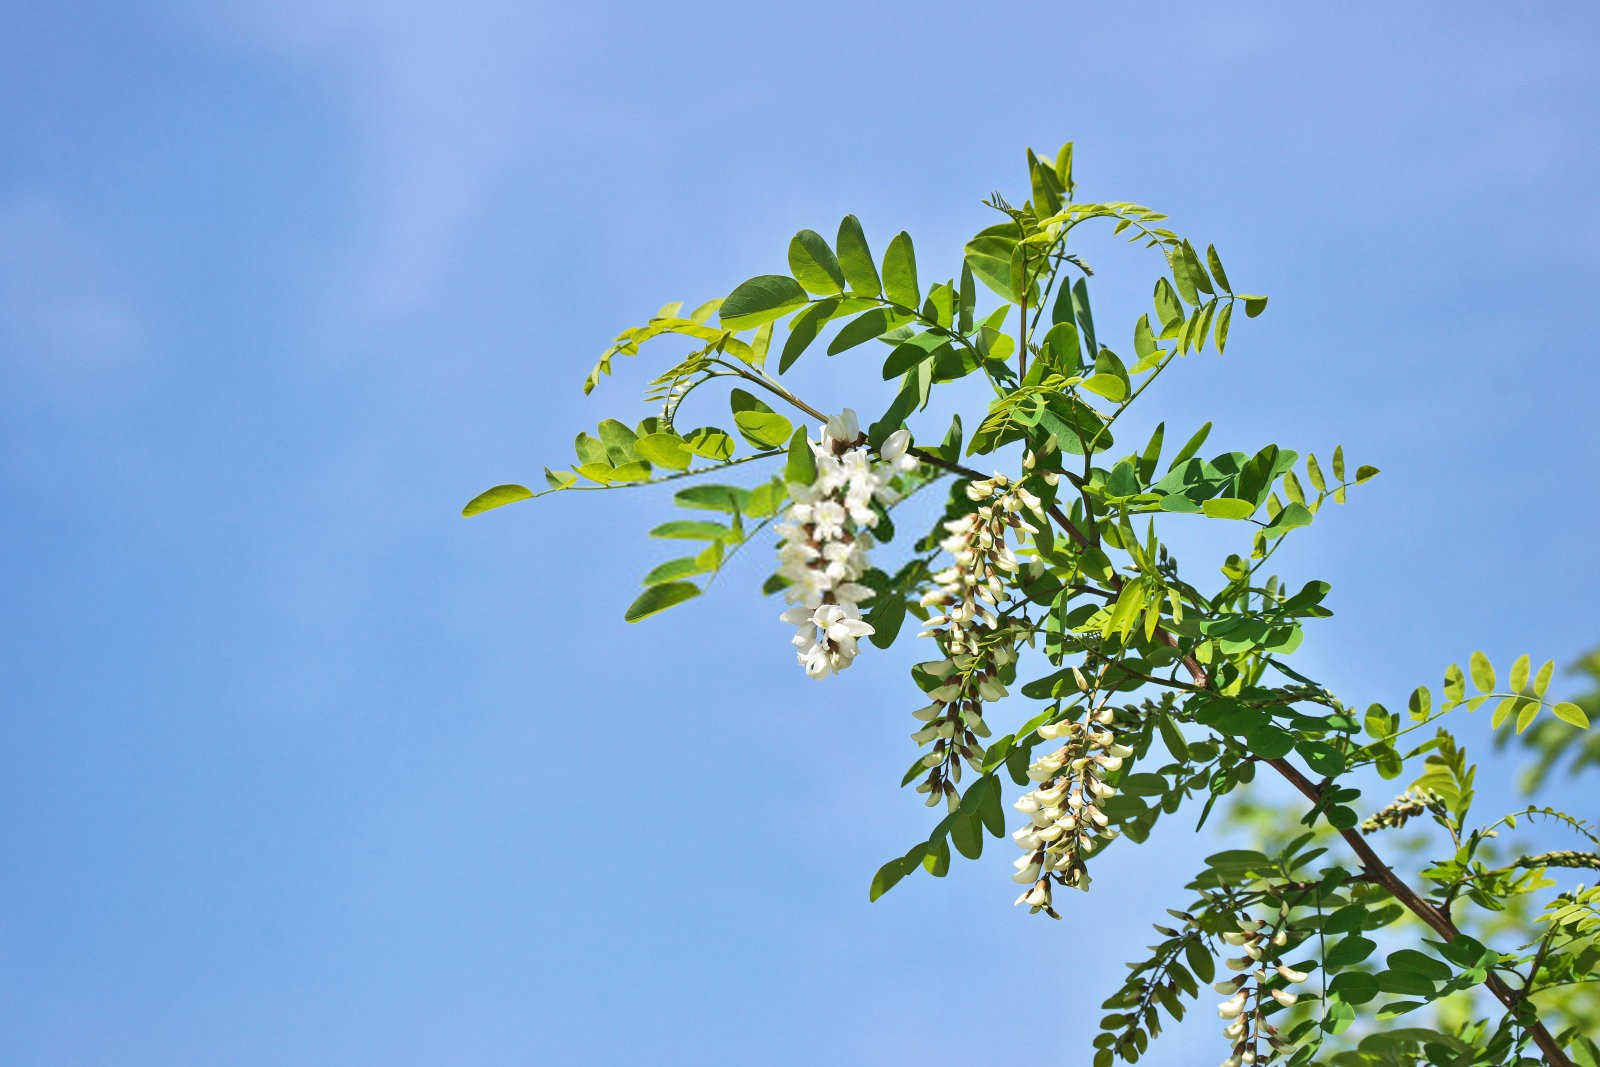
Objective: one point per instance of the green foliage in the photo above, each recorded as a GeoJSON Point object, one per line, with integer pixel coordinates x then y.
{"type": "Point", "coordinates": [1151, 691]}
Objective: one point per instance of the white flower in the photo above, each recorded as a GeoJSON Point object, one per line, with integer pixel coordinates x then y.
{"type": "Point", "coordinates": [824, 541]}
{"type": "Point", "coordinates": [894, 450]}
{"type": "Point", "coordinates": [843, 427]}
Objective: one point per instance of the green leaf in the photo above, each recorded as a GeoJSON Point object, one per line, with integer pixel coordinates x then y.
{"type": "Point", "coordinates": [1045, 185]}
{"type": "Point", "coordinates": [936, 859]}
{"type": "Point", "coordinates": [1224, 320]}
{"type": "Point", "coordinates": [672, 570]}
{"type": "Point", "coordinates": [1406, 983]}
{"type": "Point", "coordinates": [1084, 316]}
{"type": "Point", "coordinates": [760, 300]}
{"type": "Point", "coordinates": [591, 451]}
{"type": "Point", "coordinates": [814, 265]}
{"type": "Point", "coordinates": [729, 498]}
{"type": "Point", "coordinates": [1215, 263]}
{"type": "Point", "coordinates": [1190, 275]}
{"type": "Point", "coordinates": [900, 272]}
{"type": "Point", "coordinates": [665, 450]}
{"type": "Point", "coordinates": [1060, 348]}
{"type": "Point", "coordinates": [1338, 463]}
{"type": "Point", "coordinates": [991, 808]}
{"type": "Point", "coordinates": [1110, 378]}
{"type": "Point", "coordinates": [1366, 474]}
{"type": "Point", "coordinates": [1172, 737]}
{"type": "Point", "coordinates": [1351, 950]}
{"type": "Point", "coordinates": [709, 442]}
{"type": "Point", "coordinates": [1224, 507]}
{"type": "Point", "coordinates": [757, 423]}
{"type": "Point", "coordinates": [1190, 447]}
{"type": "Point", "coordinates": [1519, 673]}
{"type": "Point", "coordinates": [1502, 712]}
{"type": "Point", "coordinates": [887, 878]}
{"type": "Point", "coordinates": [1414, 962]}
{"type": "Point", "coordinates": [659, 598]}
{"type": "Point", "coordinates": [499, 496]}
{"type": "Point", "coordinates": [1143, 785]}
{"type": "Point", "coordinates": [1254, 305]}
{"type": "Point", "coordinates": [1569, 712]}
{"type": "Point", "coordinates": [801, 468]}
{"type": "Point", "coordinates": [988, 256]}
{"type": "Point", "coordinates": [1321, 757]}
{"type": "Point", "coordinates": [803, 329]}
{"type": "Point", "coordinates": [1354, 987]}
{"type": "Point", "coordinates": [1168, 310]}
{"type": "Point", "coordinates": [1541, 681]}
{"type": "Point", "coordinates": [637, 471]}
{"type": "Point", "coordinates": [764, 499]}
{"type": "Point", "coordinates": [684, 529]}
{"type": "Point", "coordinates": [1200, 961]}
{"type": "Point", "coordinates": [1314, 474]}
{"type": "Point", "coordinates": [1152, 453]}
{"type": "Point", "coordinates": [887, 615]}
{"type": "Point", "coordinates": [1455, 684]}
{"type": "Point", "coordinates": [967, 834]}
{"type": "Point", "coordinates": [1420, 704]}
{"type": "Point", "coordinates": [856, 258]}
{"type": "Point", "coordinates": [1291, 517]}
{"type": "Point", "coordinates": [928, 345]}
{"type": "Point", "coordinates": [968, 299]}
{"type": "Point", "coordinates": [559, 479]}
{"type": "Point", "coordinates": [863, 328]}
{"type": "Point", "coordinates": [619, 440]}
{"type": "Point", "coordinates": [1482, 672]}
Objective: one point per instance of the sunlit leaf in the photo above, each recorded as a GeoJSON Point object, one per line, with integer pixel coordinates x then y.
{"type": "Point", "coordinates": [659, 598]}
{"type": "Point", "coordinates": [499, 496]}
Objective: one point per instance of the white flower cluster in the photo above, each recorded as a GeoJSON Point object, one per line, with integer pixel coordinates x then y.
{"type": "Point", "coordinates": [1065, 823]}
{"type": "Point", "coordinates": [1254, 1039]}
{"type": "Point", "coordinates": [969, 589]}
{"type": "Point", "coordinates": [824, 546]}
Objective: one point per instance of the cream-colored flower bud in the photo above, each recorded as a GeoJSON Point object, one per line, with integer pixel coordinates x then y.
{"type": "Point", "coordinates": [1292, 975]}
{"type": "Point", "coordinates": [1284, 997]}
{"type": "Point", "coordinates": [1026, 874]}
{"type": "Point", "coordinates": [1230, 1009]}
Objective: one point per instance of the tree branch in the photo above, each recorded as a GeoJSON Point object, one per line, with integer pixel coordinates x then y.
{"type": "Point", "coordinates": [1376, 870]}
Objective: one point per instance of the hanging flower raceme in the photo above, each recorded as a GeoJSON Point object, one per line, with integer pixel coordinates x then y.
{"type": "Point", "coordinates": [825, 539]}
{"type": "Point", "coordinates": [1253, 995]}
{"type": "Point", "coordinates": [968, 591]}
{"type": "Point", "coordinates": [954, 716]}
{"type": "Point", "coordinates": [1065, 820]}
{"type": "Point", "coordinates": [975, 643]}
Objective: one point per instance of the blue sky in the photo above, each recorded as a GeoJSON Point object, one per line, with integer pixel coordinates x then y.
{"type": "Point", "coordinates": [298, 766]}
